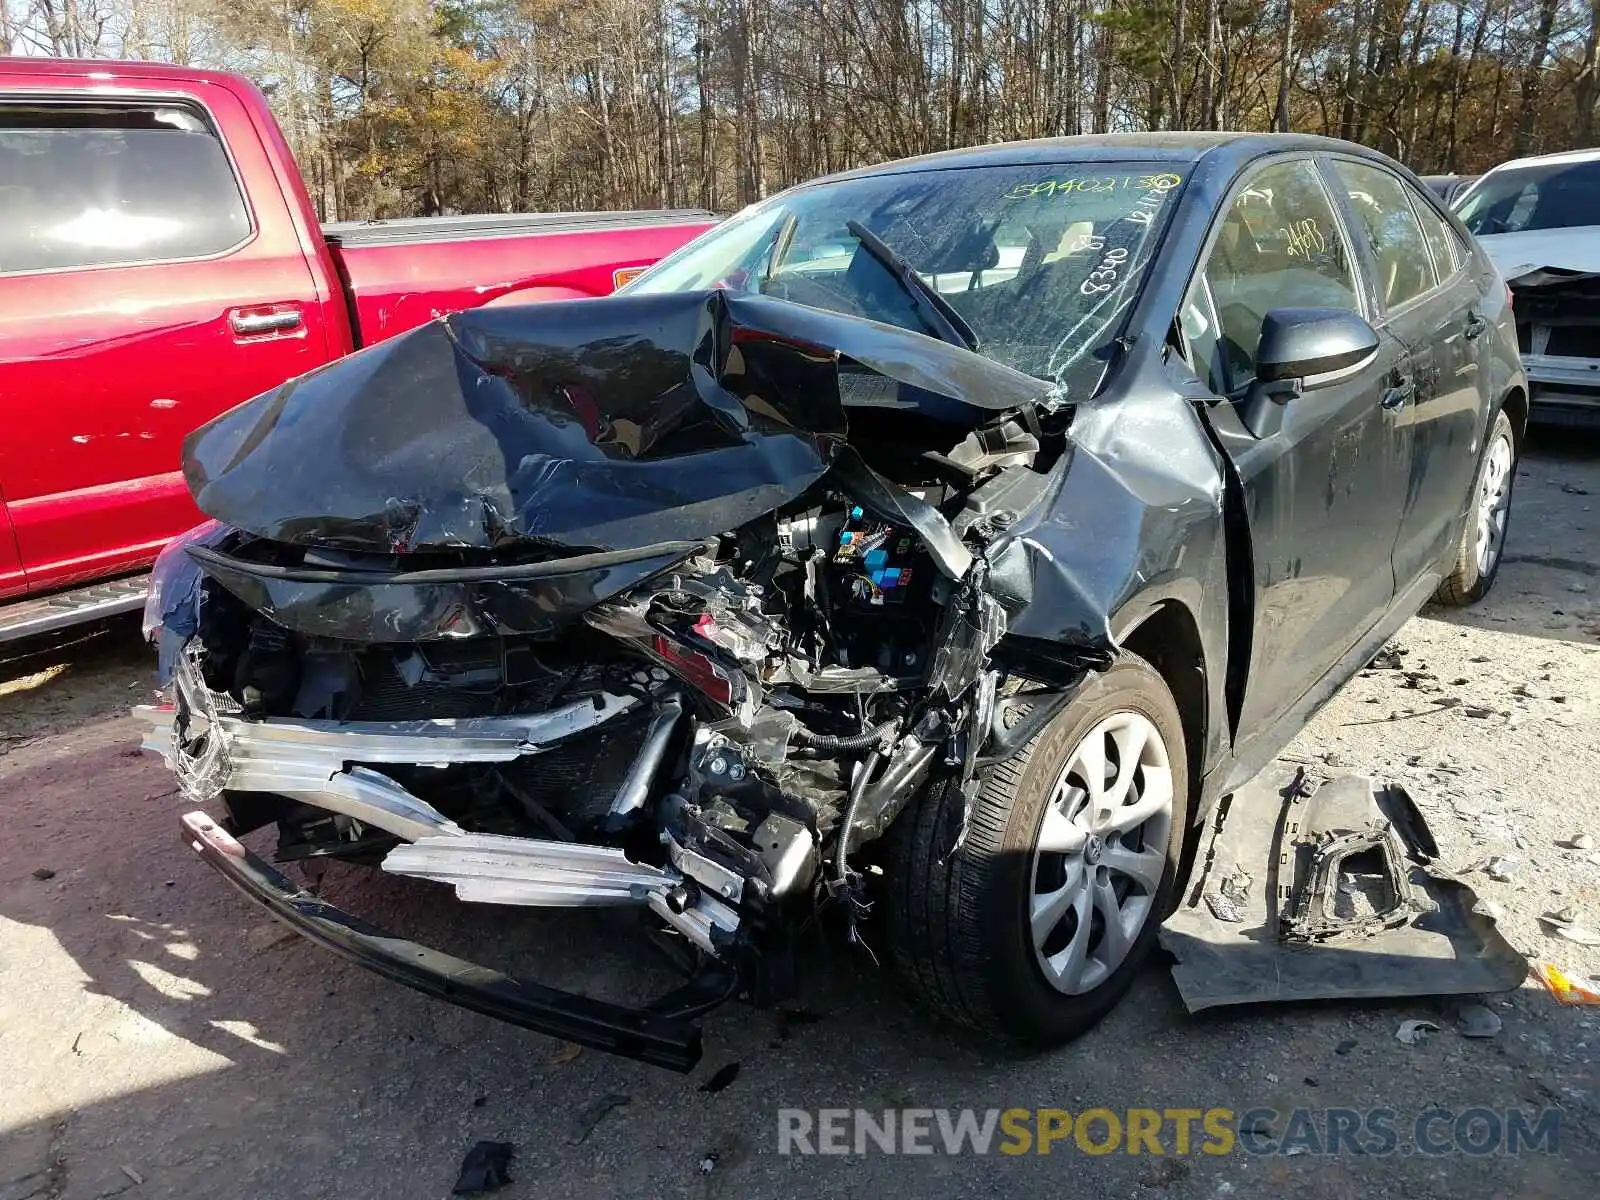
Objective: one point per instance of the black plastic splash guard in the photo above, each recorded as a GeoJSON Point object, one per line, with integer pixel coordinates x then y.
{"type": "Point", "coordinates": [660, 1033]}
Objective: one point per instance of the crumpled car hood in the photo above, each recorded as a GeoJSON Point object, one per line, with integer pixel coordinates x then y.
{"type": "Point", "coordinates": [1519, 253]}
{"type": "Point", "coordinates": [606, 424]}
{"type": "Point", "coordinates": [1554, 282]}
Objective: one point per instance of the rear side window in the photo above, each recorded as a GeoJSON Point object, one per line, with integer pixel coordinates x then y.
{"type": "Point", "coordinates": [1442, 244]}
{"type": "Point", "coordinates": [1399, 249]}
{"type": "Point", "coordinates": [98, 186]}
{"type": "Point", "coordinates": [1279, 246]}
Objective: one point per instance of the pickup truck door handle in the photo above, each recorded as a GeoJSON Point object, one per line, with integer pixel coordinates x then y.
{"type": "Point", "coordinates": [1403, 389]}
{"type": "Point", "coordinates": [271, 318]}
{"type": "Point", "coordinates": [1476, 324]}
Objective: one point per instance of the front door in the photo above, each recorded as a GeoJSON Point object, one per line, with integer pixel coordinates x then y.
{"type": "Point", "coordinates": [1323, 493]}
{"type": "Point", "coordinates": [140, 296]}
{"type": "Point", "coordinates": [1430, 302]}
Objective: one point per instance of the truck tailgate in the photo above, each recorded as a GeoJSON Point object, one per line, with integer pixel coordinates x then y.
{"type": "Point", "coordinates": [403, 273]}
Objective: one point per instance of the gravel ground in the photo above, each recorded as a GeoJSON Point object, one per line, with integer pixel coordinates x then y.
{"type": "Point", "coordinates": [159, 1036]}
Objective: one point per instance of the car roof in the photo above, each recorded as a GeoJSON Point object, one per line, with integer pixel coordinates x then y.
{"type": "Point", "coordinates": [1178, 147]}
{"type": "Point", "coordinates": [1544, 160]}
{"type": "Point", "coordinates": [112, 71]}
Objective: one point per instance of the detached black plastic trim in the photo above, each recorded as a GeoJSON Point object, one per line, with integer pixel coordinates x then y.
{"type": "Point", "coordinates": [663, 1040]}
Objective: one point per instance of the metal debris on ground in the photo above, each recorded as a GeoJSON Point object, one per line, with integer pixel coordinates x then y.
{"type": "Point", "coordinates": [1580, 842]}
{"type": "Point", "coordinates": [1478, 1021]}
{"type": "Point", "coordinates": [1501, 869]}
{"type": "Point", "coordinates": [1223, 909]}
{"type": "Point", "coordinates": [1564, 987]}
{"type": "Point", "coordinates": [1236, 886]}
{"type": "Point", "coordinates": [592, 1114]}
{"type": "Point", "coordinates": [137, 1178]}
{"type": "Point", "coordinates": [1410, 1032]}
{"type": "Point", "coordinates": [708, 1164]}
{"type": "Point", "coordinates": [1564, 924]}
{"type": "Point", "coordinates": [485, 1169]}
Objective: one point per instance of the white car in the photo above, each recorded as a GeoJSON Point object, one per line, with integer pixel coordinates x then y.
{"type": "Point", "coordinates": [1539, 221]}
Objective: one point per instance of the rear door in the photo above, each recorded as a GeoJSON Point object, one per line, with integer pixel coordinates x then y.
{"type": "Point", "coordinates": [1430, 302]}
{"type": "Point", "coordinates": [1322, 493]}
{"type": "Point", "coordinates": [141, 294]}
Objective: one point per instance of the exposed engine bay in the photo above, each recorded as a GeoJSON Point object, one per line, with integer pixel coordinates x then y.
{"type": "Point", "coordinates": [715, 722]}
{"type": "Point", "coordinates": [738, 702]}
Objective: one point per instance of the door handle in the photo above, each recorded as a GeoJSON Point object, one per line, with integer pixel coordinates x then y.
{"type": "Point", "coordinates": [252, 322]}
{"type": "Point", "coordinates": [1476, 324]}
{"type": "Point", "coordinates": [1396, 396]}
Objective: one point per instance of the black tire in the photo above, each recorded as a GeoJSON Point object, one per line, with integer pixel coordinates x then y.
{"type": "Point", "coordinates": [957, 923]}
{"type": "Point", "coordinates": [1465, 583]}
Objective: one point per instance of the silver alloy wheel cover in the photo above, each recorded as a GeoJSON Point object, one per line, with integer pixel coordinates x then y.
{"type": "Point", "coordinates": [1091, 891]}
{"type": "Point", "coordinates": [1494, 502]}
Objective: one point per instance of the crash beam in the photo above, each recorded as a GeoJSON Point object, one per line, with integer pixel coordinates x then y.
{"type": "Point", "coordinates": [314, 761]}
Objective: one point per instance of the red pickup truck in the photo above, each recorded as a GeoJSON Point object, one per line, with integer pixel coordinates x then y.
{"type": "Point", "coordinates": [160, 261]}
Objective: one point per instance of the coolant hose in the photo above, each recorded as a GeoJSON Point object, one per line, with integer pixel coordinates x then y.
{"type": "Point", "coordinates": [869, 767]}
{"type": "Point", "coordinates": [843, 745]}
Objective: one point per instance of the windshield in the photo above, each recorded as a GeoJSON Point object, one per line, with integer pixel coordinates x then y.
{"type": "Point", "coordinates": [1040, 262]}
{"type": "Point", "coordinates": [1541, 196]}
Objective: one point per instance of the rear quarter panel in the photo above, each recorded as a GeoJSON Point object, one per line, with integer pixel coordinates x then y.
{"type": "Point", "coordinates": [398, 287]}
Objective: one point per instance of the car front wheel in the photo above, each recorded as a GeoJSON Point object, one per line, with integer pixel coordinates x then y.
{"type": "Point", "coordinates": [1036, 926]}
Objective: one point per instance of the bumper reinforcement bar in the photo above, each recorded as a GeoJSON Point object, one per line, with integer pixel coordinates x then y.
{"type": "Point", "coordinates": [661, 1033]}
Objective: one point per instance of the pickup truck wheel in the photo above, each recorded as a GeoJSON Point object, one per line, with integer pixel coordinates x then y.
{"type": "Point", "coordinates": [1483, 539]}
{"type": "Point", "coordinates": [1038, 924]}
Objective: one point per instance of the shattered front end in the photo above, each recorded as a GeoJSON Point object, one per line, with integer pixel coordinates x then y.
{"type": "Point", "coordinates": [1558, 334]}
{"type": "Point", "coordinates": [612, 620]}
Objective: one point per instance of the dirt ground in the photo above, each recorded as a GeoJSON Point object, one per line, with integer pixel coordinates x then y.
{"type": "Point", "coordinates": [159, 1036]}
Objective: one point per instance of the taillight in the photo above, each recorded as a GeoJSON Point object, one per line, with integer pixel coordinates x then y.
{"type": "Point", "coordinates": [623, 276]}
{"type": "Point", "coordinates": [695, 669]}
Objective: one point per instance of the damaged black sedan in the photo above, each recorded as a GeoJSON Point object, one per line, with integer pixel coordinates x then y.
{"type": "Point", "coordinates": [927, 547]}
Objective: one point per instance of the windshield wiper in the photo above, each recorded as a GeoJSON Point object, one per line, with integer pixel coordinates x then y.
{"type": "Point", "coordinates": [950, 325]}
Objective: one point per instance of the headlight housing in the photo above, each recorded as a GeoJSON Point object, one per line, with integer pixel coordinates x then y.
{"type": "Point", "coordinates": [173, 602]}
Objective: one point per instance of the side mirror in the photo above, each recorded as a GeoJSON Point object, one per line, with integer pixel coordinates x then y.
{"type": "Point", "coordinates": [1300, 349]}
{"type": "Point", "coordinates": [1303, 343]}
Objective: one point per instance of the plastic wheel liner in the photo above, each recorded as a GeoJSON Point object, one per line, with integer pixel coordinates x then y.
{"type": "Point", "coordinates": [1303, 894]}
